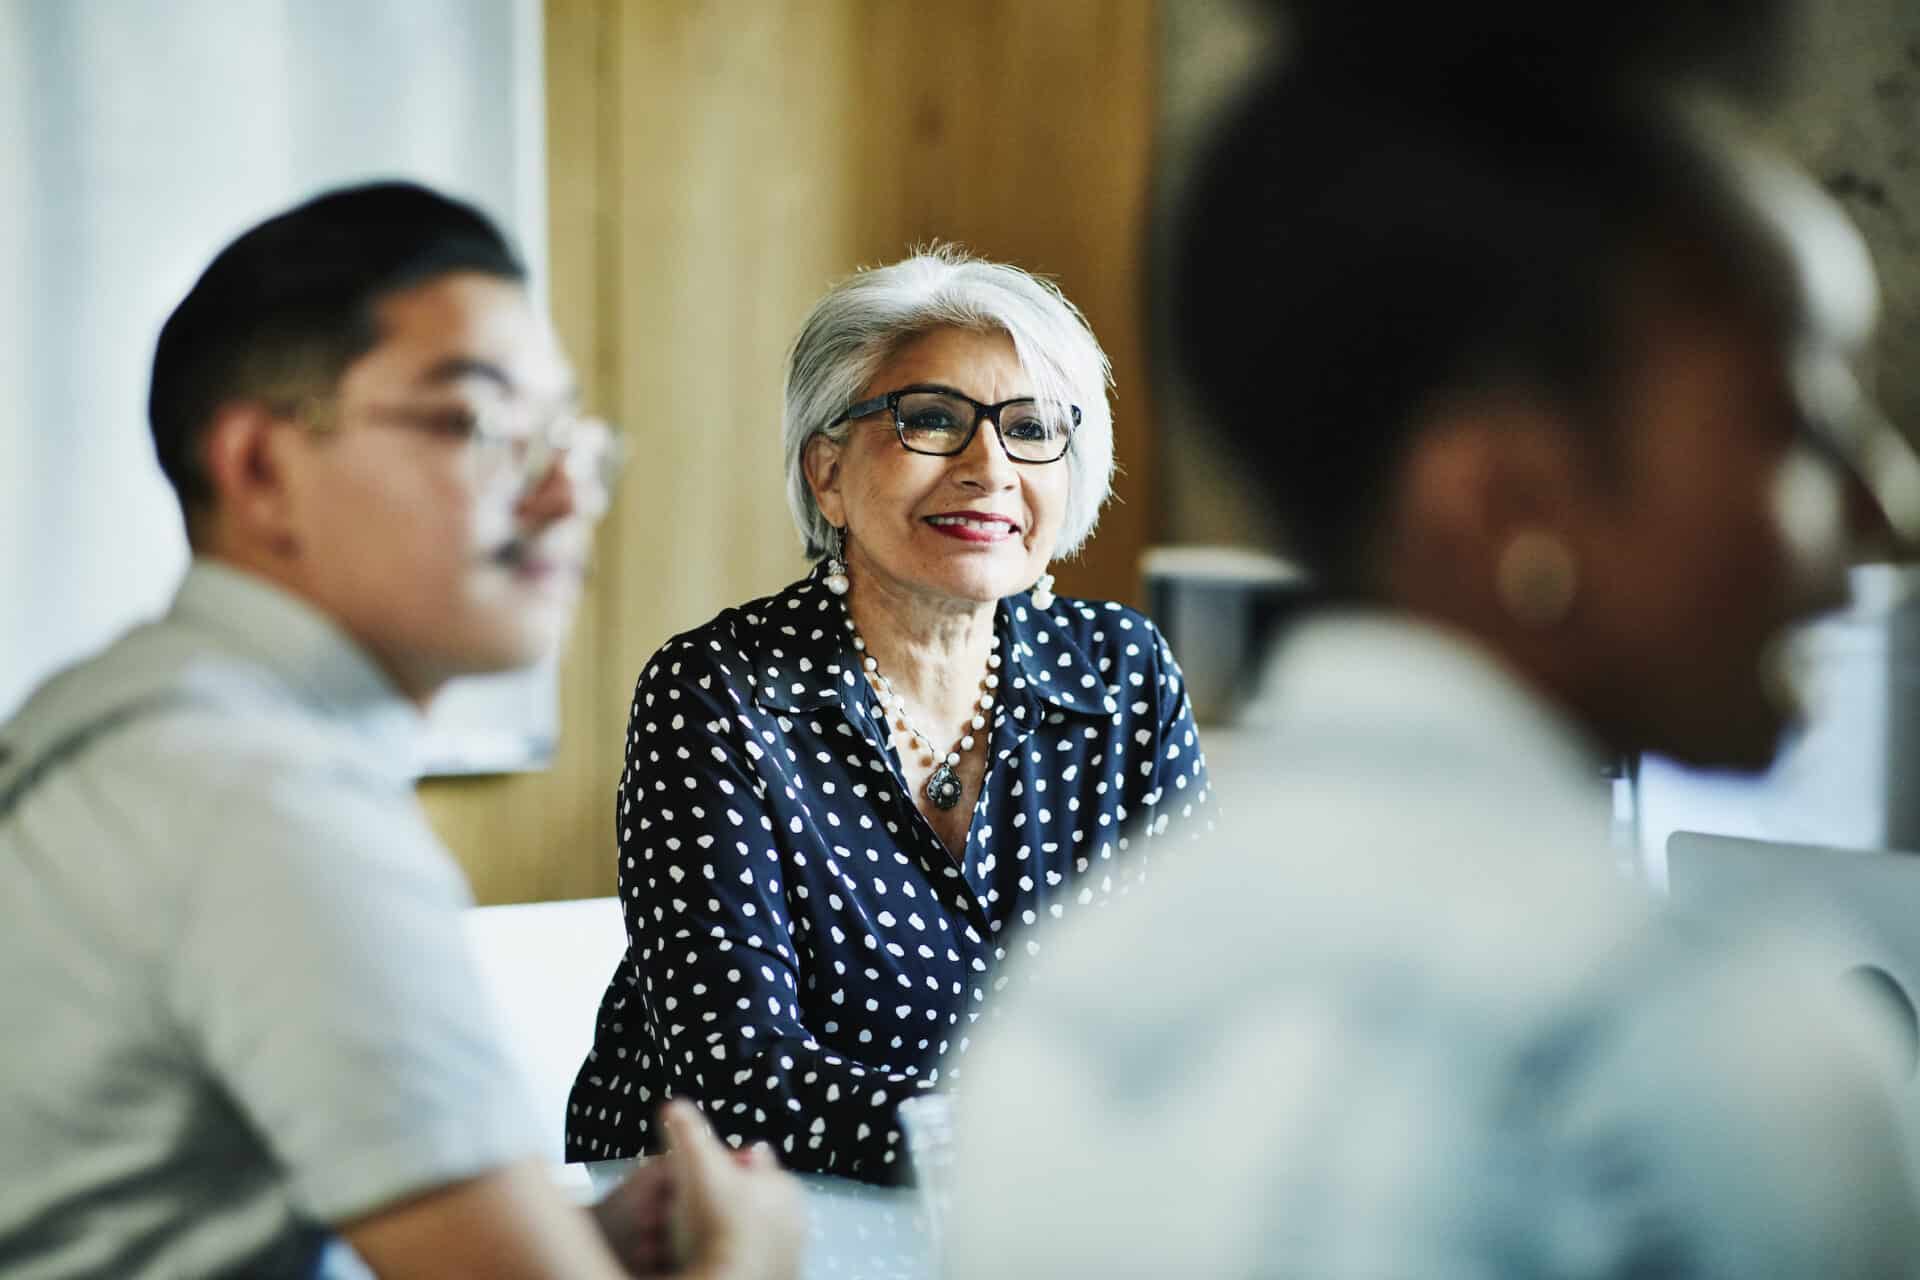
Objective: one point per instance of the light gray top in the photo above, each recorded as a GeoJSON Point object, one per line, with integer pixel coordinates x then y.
{"type": "Point", "coordinates": [237, 1003]}
{"type": "Point", "coordinates": [1405, 1019]}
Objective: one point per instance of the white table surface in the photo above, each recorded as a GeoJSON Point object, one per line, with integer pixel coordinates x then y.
{"type": "Point", "coordinates": [854, 1231]}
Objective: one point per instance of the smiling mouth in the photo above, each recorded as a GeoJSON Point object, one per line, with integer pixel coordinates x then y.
{"type": "Point", "coordinates": [975, 526]}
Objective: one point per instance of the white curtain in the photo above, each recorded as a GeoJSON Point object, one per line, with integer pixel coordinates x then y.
{"type": "Point", "coordinates": [136, 138]}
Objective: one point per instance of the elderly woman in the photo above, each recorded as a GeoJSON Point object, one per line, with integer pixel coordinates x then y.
{"type": "Point", "coordinates": [844, 805]}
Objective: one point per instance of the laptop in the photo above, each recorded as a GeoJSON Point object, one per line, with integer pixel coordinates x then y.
{"type": "Point", "coordinates": [1877, 893]}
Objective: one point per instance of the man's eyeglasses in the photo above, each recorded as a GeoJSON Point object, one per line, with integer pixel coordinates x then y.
{"type": "Point", "coordinates": [942, 423]}
{"type": "Point", "coordinates": [499, 452]}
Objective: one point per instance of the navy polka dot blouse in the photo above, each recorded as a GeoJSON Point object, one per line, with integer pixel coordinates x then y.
{"type": "Point", "coordinates": [803, 951]}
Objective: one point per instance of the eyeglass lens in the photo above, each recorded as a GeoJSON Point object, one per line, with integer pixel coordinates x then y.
{"type": "Point", "coordinates": [590, 450]}
{"type": "Point", "coordinates": [1030, 430]}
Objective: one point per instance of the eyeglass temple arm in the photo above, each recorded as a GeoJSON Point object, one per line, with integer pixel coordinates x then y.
{"type": "Point", "coordinates": [864, 408]}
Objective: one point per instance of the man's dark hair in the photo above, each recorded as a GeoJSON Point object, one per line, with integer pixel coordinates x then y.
{"type": "Point", "coordinates": [1363, 242]}
{"type": "Point", "coordinates": [284, 309]}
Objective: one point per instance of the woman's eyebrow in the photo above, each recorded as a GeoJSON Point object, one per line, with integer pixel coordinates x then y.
{"type": "Point", "coordinates": [944, 389]}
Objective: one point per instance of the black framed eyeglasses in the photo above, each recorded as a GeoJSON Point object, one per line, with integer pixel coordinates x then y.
{"type": "Point", "coordinates": [941, 422]}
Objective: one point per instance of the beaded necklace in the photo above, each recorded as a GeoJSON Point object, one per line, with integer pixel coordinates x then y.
{"type": "Point", "coordinates": [943, 785]}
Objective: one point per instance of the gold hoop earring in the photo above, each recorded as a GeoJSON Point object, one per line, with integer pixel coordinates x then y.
{"type": "Point", "coordinates": [1537, 579]}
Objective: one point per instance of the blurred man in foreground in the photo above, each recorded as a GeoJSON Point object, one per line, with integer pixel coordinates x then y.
{"type": "Point", "coordinates": [239, 1011]}
{"type": "Point", "coordinates": [1546, 382]}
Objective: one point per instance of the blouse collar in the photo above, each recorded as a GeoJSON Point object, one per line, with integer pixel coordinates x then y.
{"type": "Point", "coordinates": [802, 659]}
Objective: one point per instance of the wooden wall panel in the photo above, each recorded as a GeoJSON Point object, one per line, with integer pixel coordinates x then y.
{"type": "Point", "coordinates": [733, 220]}
{"type": "Point", "coordinates": [1023, 131]}
{"type": "Point", "coordinates": [713, 167]}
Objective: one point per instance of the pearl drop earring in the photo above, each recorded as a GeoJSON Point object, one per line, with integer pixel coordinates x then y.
{"type": "Point", "coordinates": [836, 579]}
{"type": "Point", "coordinates": [1043, 592]}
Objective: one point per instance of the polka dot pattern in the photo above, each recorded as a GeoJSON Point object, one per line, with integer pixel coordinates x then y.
{"type": "Point", "coordinates": [803, 951]}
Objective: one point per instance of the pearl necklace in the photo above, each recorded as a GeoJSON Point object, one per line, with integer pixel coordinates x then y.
{"type": "Point", "coordinates": [943, 785]}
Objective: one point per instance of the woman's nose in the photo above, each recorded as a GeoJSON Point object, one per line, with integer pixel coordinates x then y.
{"type": "Point", "coordinates": [984, 461]}
{"type": "Point", "coordinates": [1870, 533]}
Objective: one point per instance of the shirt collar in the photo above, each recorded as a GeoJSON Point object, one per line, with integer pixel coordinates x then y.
{"type": "Point", "coordinates": [797, 641]}
{"type": "Point", "coordinates": [1047, 660]}
{"type": "Point", "coordinates": [304, 648]}
{"type": "Point", "coordinates": [1387, 680]}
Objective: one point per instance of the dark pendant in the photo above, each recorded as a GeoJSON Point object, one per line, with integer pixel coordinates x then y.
{"type": "Point", "coordinates": [943, 788]}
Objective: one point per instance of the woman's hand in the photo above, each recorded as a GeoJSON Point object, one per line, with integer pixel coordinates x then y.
{"type": "Point", "coordinates": [733, 1215]}
{"type": "Point", "coordinates": [633, 1219]}
{"type": "Point", "coordinates": [703, 1211]}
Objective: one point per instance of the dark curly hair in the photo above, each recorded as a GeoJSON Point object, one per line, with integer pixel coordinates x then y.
{"type": "Point", "coordinates": [1372, 230]}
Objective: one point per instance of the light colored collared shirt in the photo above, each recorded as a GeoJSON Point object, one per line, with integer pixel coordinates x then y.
{"type": "Point", "coordinates": [1404, 1019]}
{"type": "Point", "coordinates": [235, 998]}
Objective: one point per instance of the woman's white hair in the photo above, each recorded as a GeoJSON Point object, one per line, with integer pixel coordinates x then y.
{"type": "Point", "coordinates": [870, 315]}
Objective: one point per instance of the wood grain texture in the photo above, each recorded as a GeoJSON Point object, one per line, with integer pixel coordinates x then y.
{"type": "Point", "coordinates": [713, 168]}
{"type": "Point", "coordinates": [1023, 131]}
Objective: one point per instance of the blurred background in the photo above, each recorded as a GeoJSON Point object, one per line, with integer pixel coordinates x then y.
{"type": "Point", "coordinates": [687, 177]}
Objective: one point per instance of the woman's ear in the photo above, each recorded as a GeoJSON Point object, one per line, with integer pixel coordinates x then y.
{"type": "Point", "coordinates": [1485, 468]}
{"type": "Point", "coordinates": [821, 462]}
{"type": "Point", "coordinates": [1481, 477]}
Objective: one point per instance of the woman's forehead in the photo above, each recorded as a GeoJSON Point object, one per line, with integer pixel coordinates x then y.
{"type": "Point", "coordinates": [935, 354]}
